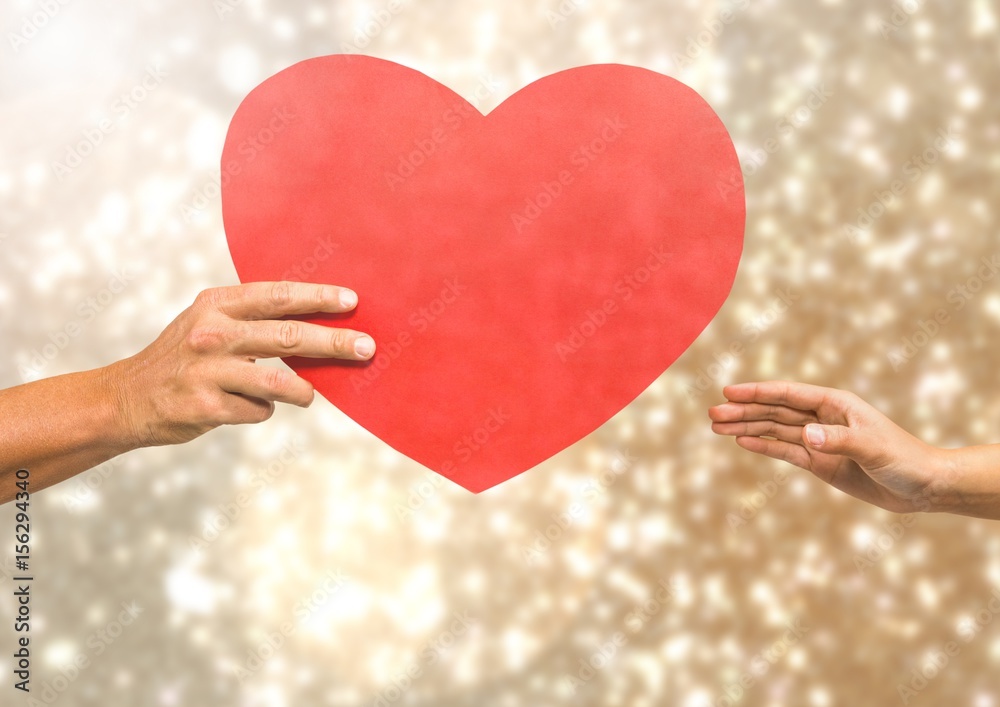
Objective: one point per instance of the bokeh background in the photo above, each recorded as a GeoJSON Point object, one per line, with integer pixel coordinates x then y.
{"type": "Point", "coordinates": [144, 201]}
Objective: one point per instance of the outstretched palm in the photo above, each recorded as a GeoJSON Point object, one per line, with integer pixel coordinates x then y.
{"type": "Point", "coordinates": [834, 434]}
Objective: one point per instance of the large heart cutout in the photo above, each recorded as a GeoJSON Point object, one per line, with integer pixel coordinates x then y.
{"type": "Point", "coordinates": [525, 274]}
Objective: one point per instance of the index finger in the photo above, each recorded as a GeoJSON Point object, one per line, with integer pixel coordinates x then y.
{"type": "Point", "coordinates": [272, 300]}
{"type": "Point", "coordinates": [800, 396]}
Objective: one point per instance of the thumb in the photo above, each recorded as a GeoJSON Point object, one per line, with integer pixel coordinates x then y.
{"type": "Point", "coordinates": [838, 439]}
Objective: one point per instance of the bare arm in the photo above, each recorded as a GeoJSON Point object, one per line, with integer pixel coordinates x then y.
{"type": "Point", "coordinates": [197, 375]}
{"type": "Point", "coordinates": [852, 446]}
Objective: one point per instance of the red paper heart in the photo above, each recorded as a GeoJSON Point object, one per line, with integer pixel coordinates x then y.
{"type": "Point", "coordinates": [525, 274]}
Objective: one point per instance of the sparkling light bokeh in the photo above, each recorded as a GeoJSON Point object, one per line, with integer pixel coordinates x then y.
{"type": "Point", "coordinates": [332, 504]}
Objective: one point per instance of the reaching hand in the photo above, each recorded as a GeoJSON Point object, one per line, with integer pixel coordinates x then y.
{"type": "Point", "coordinates": [838, 437]}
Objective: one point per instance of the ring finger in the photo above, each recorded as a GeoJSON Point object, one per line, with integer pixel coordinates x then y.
{"type": "Point", "coordinates": [762, 428]}
{"type": "Point", "coordinates": [266, 383]}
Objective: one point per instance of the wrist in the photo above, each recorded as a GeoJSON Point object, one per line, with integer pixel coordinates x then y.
{"type": "Point", "coordinates": [117, 383]}
{"type": "Point", "coordinates": [967, 482]}
{"type": "Point", "coordinates": [944, 493]}
{"type": "Point", "coordinates": [972, 481]}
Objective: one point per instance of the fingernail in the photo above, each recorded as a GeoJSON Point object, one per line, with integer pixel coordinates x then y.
{"type": "Point", "coordinates": [348, 299]}
{"type": "Point", "coordinates": [364, 346]}
{"type": "Point", "coordinates": [815, 435]}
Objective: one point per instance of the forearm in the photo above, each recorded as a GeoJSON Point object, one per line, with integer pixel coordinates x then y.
{"type": "Point", "coordinates": [59, 427]}
{"type": "Point", "coordinates": [968, 482]}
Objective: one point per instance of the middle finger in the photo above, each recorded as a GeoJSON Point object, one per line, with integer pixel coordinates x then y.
{"type": "Point", "coordinates": [269, 339]}
{"type": "Point", "coordinates": [746, 412]}
{"type": "Point", "coordinates": [764, 428]}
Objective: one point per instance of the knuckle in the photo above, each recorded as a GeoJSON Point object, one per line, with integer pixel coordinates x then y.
{"type": "Point", "coordinates": [203, 339]}
{"type": "Point", "coordinates": [289, 335]}
{"type": "Point", "coordinates": [849, 400]}
{"type": "Point", "coordinates": [276, 381]}
{"type": "Point", "coordinates": [207, 299]}
{"type": "Point", "coordinates": [321, 297]}
{"type": "Point", "coordinates": [340, 341]}
{"type": "Point", "coordinates": [280, 294]}
{"type": "Point", "coordinates": [209, 409]}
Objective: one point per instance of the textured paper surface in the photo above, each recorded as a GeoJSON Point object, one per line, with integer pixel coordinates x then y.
{"type": "Point", "coordinates": [525, 274]}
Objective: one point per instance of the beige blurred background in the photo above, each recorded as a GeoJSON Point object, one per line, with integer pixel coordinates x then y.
{"type": "Point", "coordinates": [311, 536]}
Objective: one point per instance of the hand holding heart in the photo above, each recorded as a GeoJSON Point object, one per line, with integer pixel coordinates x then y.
{"type": "Point", "coordinates": [200, 372]}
